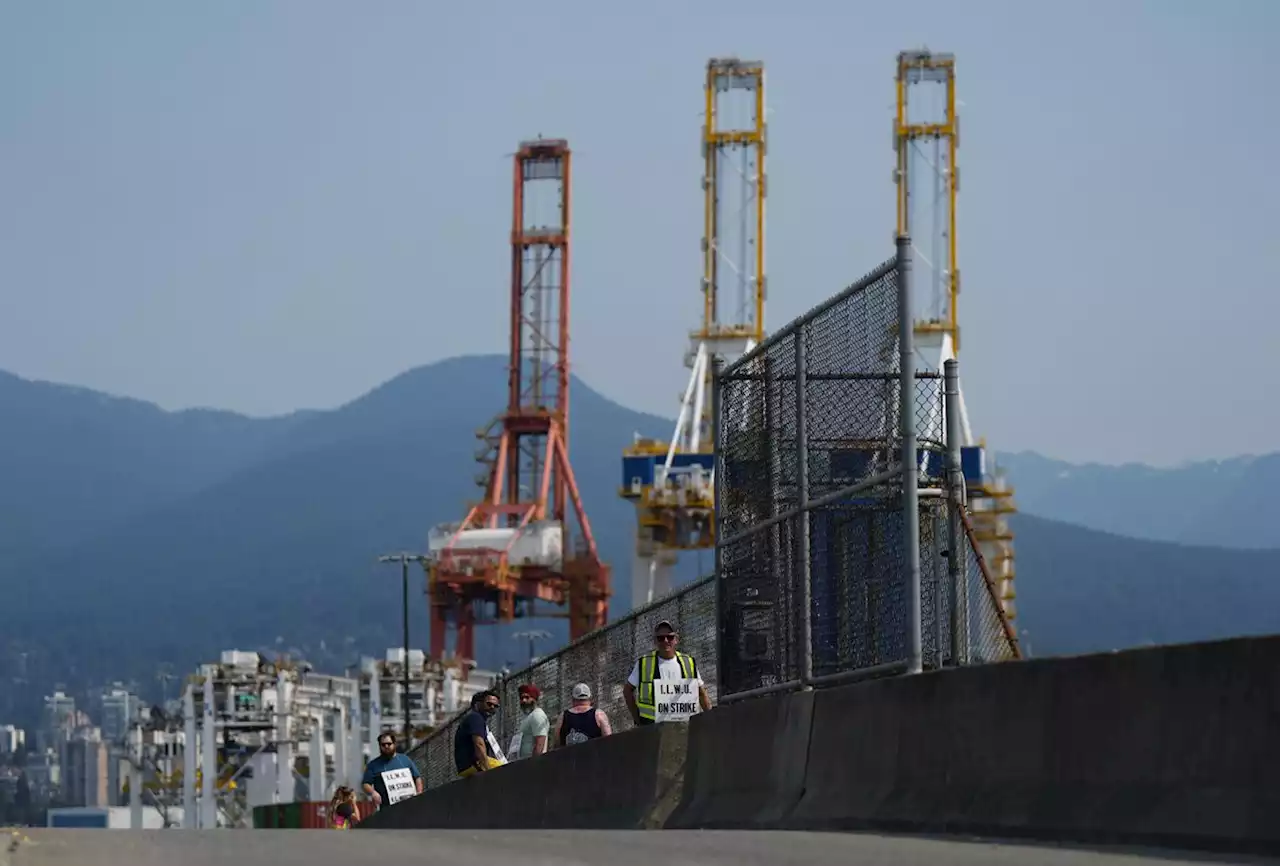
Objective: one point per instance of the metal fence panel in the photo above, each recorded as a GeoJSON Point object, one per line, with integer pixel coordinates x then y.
{"type": "Point", "coordinates": [814, 567]}
{"type": "Point", "coordinates": [826, 390]}
{"type": "Point", "coordinates": [813, 526]}
{"type": "Point", "coordinates": [991, 637]}
{"type": "Point", "coordinates": [603, 660]}
{"type": "Point", "coordinates": [859, 588]}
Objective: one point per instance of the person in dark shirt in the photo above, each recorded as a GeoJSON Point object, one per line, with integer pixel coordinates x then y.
{"type": "Point", "coordinates": [389, 766]}
{"type": "Point", "coordinates": [582, 721]}
{"type": "Point", "coordinates": [475, 750]}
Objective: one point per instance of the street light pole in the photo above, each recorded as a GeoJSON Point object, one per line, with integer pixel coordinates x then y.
{"type": "Point", "coordinates": [404, 559]}
{"type": "Point", "coordinates": [532, 636]}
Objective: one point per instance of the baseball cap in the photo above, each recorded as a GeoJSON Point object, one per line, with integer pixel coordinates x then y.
{"type": "Point", "coordinates": [663, 624]}
{"type": "Point", "coordinates": [582, 692]}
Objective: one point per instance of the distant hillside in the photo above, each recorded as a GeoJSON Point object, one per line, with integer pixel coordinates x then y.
{"type": "Point", "coordinates": [75, 462]}
{"type": "Point", "coordinates": [1215, 502]}
{"type": "Point", "coordinates": [147, 537]}
{"type": "Point", "coordinates": [1080, 590]}
{"type": "Point", "coordinates": [283, 546]}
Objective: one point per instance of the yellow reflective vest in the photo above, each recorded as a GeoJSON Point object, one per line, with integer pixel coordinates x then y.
{"type": "Point", "coordinates": [649, 672]}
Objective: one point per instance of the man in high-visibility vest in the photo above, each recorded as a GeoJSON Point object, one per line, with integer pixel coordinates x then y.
{"type": "Point", "coordinates": [664, 685]}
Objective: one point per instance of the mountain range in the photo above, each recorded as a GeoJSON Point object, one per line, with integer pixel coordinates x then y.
{"type": "Point", "coordinates": [1211, 502]}
{"type": "Point", "coordinates": [132, 538]}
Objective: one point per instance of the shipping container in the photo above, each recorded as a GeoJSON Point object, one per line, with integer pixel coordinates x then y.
{"type": "Point", "coordinates": [290, 816]}
{"type": "Point", "coordinates": [266, 817]}
{"type": "Point", "coordinates": [313, 816]}
{"type": "Point", "coordinates": [79, 816]}
{"type": "Point", "coordinates": [301, 816]}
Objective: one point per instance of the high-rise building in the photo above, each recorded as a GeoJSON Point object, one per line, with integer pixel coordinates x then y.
{"type": "Point", "coordinates": [119, 708]}
{"type": "Point", "coordinates": [11, 739]}
{"type": "Point", "coordinates": [59, 715]}
{"type": "Point", "coordinates": [85, 770]}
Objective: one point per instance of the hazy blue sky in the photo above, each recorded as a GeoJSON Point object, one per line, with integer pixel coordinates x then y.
{"type": "Point", "coordinates": [270, 205]}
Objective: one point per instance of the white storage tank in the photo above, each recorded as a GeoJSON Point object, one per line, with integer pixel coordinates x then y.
{"type": "Point", "coordinates": [439, 537]}
{"type": "Point", "coordinates": [417, 658]}
{"type": "Point", "coordinates": [540, 543]}
{"type": "Point", "coordinates": [240, 659]}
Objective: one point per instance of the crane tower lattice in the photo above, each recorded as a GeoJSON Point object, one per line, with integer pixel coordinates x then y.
{"type": "Point", "coordinates": [926, 141]}
{"type": "Point", "coordinates": [515, 548]}
{"type": "Point", "coordinates": [672, 484]}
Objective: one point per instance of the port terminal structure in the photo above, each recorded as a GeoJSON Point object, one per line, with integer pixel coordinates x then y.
{"type": "Point", "coordinates": [515, 553]}
{"type": "Point", "coordinates": [251, 731]}
{"type": "Point", "coordinates": [672, 484]}
{"type": "Point", "coordinates": [926, 141]}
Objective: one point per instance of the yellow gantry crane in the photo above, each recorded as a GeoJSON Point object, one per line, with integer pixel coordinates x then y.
{"type": "Point", "coordinates": [672, 484]}
{"type": "Point", "coordinates": [926, 140]}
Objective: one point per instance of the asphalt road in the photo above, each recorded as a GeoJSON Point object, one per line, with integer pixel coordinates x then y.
{"type": "Point", "coordinates": [40, 847]}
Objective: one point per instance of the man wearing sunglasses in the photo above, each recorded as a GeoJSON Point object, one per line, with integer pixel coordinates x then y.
{"type": "Point", "coordinates": [475, 749]}
{"type": "Point", "coordinates": [390, 777]}
{"type": "Point", "coordinates": [678, 671]}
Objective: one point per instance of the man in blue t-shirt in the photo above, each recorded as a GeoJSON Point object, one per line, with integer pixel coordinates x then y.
{"type": "Point", "coordinates": [474, 749]}
{"type": "Point", "coordinates": [391, 777]}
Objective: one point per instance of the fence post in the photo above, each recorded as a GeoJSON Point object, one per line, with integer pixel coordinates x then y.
{"type": "Point", "coordinates": [910, 468]}
{"type": "Point", "coordinates": [802, 565]}
{"type": "Point", "coordinates": [956, 542]}
{"type": "Point", "coordinates": [504, 695]}
{"type": "Point", "coordinates": [717, 479]}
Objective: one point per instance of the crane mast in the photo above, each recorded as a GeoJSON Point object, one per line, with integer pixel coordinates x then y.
{"type": "Point", "coordinates": [672, 484]}
{"type": "Point", "coordinates": [926, 143]}
{"type": "Point", "coordinates": [517, 547]}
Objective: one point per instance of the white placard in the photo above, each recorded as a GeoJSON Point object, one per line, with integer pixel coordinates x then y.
{"type": "Point", "coordinates": [399, 785]}
{"type": "Point", "coordinates": [674, 700]}
{"type": "Point", "coordinates": [494, 747]}
{"type": "Point", "coordinates": [514, 749]}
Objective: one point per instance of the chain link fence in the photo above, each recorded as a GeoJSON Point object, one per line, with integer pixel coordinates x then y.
{"type": "Point", "coordinates": [989, 636]}
{"type": "Point", "coordinates": [602, 660]}
{"type": "Point", "coordinates": [815, 526]}
{"type": "Point", "coordinates": [828, 566]}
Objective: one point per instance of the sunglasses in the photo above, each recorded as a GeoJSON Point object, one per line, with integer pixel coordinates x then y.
{"type": "Point", "coordinates": [664, 638]}
{"type": "Point", "coordinates": [385, 743]}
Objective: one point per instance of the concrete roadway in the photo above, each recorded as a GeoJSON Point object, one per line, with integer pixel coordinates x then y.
{"type": "Point", "coordinates": [42, 847]}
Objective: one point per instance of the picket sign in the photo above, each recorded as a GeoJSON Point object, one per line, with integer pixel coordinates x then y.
{"type": "Point", "coordinates": [675, 700]}
{"type": "Point", "coordinates": [399, 785]}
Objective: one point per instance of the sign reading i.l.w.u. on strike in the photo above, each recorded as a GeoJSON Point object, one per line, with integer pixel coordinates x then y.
{"type": "Point", "coordinates": [675, 700]}
{"type": "Point", "coordinates": [399, 785]}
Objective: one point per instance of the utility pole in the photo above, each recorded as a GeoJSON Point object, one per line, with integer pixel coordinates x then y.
{"type": "Point", "coordinates": [404, 559]}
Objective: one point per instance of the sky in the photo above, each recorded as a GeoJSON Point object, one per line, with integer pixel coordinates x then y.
{"type": "Point", "coordinates": [264, 206]}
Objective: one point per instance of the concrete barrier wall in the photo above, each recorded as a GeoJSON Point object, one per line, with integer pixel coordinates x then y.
{"type": "Point", "coordinates": [747, 764]}
{"type": "Point", "coordinates": [627, 781]}
{"type": "Point", "coordinates": [1175, 746]}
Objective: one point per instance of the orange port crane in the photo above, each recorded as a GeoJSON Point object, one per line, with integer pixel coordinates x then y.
{"type": "Point", "coordinates": [516, 548]}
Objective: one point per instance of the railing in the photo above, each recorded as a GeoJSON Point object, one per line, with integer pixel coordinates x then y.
{"type": "Point", "coordinates": [601, 659]}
